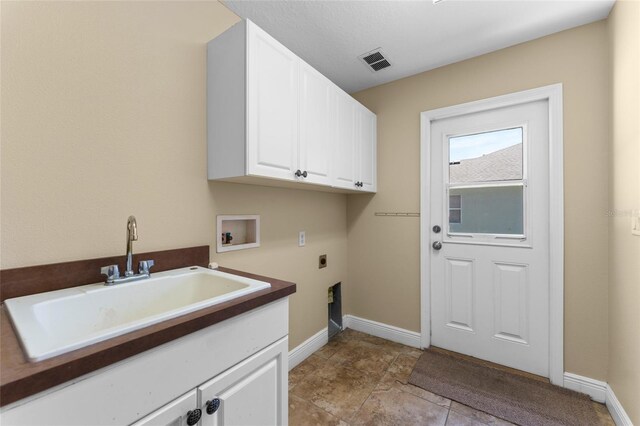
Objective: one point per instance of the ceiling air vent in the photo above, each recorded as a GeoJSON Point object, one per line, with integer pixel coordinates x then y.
{"type": "Point", "coordinates": [375, 60]}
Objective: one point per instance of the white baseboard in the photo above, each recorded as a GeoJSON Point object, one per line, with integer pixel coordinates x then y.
{"type": "Point", "coordinates": [601, 392]}
{"type": "Point", "coordinates": [309, 346]}
{"type": "Point", "coordinates": [385, 331]}
{"type": "Point", "coordinates": [596, 389]}
{"type": "Point", "coordinates": [616, 410]}
{"type": "Point", "coordinates": [318, 340]}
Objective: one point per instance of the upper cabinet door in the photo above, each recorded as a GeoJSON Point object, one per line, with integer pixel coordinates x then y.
{"type": "Point", "coordinates": [272, 107]}
{"type": "Point", "coordinates": [317, 125]}
{"type": "Point", "coordinates": [344, 154]}
{"type": "Point", "coordinates": [367, 158]}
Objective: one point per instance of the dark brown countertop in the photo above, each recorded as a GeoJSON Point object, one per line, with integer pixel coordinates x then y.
{"type": "Point", "coordinates": [20, 378]}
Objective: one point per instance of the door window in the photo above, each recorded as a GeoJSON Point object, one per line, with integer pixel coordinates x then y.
{"type": "Point", "coordinates": [486, 183]}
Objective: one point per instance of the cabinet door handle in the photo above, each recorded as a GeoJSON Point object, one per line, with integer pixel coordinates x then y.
{"type": "Point", "coordinates": [213, 405]}
{"type": "Point", "coordinates": [298, 173]}
{"type": "Point", "coordinates": [193, 416]}
{"type": "Point", "coordinates": [304, 174]}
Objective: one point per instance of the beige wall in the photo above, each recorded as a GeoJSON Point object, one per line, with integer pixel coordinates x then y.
{"type": "Point", "coordinates": [384, 251]}
{"type": "Point", "coordinates": [104, 116]}
{"type": "Point", "coordinates": [624, 182]}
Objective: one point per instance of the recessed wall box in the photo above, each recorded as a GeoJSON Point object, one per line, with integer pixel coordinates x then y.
{"type": "Point", "coordinates": [237, 232]}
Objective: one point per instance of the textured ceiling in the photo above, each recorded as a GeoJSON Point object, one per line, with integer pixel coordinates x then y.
{"type": "Point", "coordinates": [416, 36]}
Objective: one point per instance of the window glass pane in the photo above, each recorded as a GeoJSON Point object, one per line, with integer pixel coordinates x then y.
{"type": "Point", "coordinates": [489, 210]}
{"type": "Point", "coordinates": [454, 216]}
{"type": "Point", "coordinates": [486, 157]}
{"type": "Point", "coordinates": [454, 201]}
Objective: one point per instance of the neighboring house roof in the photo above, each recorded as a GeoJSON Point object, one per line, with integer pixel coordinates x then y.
{"type": "Point", "coordinates": [504, 164]}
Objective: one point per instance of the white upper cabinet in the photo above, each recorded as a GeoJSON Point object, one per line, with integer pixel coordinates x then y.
{"type": "Point", "coordinates": [366, 152]}
{"type": "Point", "coordinates": [344, 170]}
{"type": "Point", "coordinates": [272, 104]}
{"type": "Point", "coordinates": [317, 125]}
{"type": "Point", "coordinates": [355, 151]}
{"type": "Point", "coordinates": [272, 118]}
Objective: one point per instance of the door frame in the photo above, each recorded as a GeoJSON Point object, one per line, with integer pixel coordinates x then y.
{"type": "Point", "coordinates": [553, 94]}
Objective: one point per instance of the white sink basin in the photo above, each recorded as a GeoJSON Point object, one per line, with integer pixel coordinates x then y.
{"type": "Point", "coordinates": [50, 324]}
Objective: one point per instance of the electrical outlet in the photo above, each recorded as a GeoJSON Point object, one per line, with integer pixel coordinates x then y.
{"type": "Point", "coordinates": [302, 239]}
{"type": "Point", "coordinates": [322, 262]}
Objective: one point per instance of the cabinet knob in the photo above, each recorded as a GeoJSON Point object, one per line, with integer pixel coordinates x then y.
{"type": "Point", "coordinates": [213, 405]}
{"type": "Point", "coordinates": [298, 173]}
{"type": "Point", "coordinates": [193, 416]}
{"type": "Point", "coordinates": [304, 174]}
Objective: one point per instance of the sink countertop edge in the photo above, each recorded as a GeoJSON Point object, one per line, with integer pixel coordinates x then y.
{"type": "Point", "coordinates": [20, 378]}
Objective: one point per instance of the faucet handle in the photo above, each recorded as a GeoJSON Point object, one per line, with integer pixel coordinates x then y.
{"type": "Point", "coordinates": [112, 272]}
{"type": "Point", "coordinates": [144, 266]}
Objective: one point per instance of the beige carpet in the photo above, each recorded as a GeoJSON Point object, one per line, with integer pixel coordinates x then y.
{"type": "Point", "coordinates": [515, 398]}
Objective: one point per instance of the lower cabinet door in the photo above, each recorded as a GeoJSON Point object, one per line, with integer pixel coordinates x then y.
{"type": "Point", "coordinates": [175, 413]}
{"type": "Point", "coordinates": [252, 393]}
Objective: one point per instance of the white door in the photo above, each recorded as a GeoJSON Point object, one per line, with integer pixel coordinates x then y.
{"type": "Point", "coordinates": [317, 125]}
{"type": "Point", "coordinates": [174, 413]}
{"type": "Point", "coordinates": [489, 210]}
{"type": "Point", "coordinates": [366, 150]}
{"type": "Point", "coordinates": [253, 392]}
{"type": "Point", "coordinates": [272, 100]}
{"type": "Point", "coordinates": [344, 160]}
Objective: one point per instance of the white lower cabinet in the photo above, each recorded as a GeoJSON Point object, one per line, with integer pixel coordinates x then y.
{"type": "Point", "coordinates": [247, 394]}
{"type": "Point", "coordinates": [174, 413]}
{"type": "Point", "coordinates": [240, 362]}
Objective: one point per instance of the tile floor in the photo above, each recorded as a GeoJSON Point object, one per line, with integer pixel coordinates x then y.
{"type": "Point", "coordinates": [358, 379]}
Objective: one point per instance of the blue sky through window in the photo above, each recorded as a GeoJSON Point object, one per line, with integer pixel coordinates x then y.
{"type": "Point", "coordinates": [477, 145]}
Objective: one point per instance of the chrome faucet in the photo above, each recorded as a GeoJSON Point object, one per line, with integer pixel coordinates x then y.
{"type": "Point", "coordinates": [132, 235]}
{"type": "Point", "coordinates": [113, 273]}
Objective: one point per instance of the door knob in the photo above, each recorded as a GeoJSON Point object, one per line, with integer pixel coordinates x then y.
{"type": "Point", "coordinates": [437, 229]}
{"type": "Point", "coordinates": [437, 245]}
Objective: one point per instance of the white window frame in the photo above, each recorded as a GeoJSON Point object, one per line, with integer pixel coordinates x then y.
{"type": "Point", "coordinates": [519, 240]}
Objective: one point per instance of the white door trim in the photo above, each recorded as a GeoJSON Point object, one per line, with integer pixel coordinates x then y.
{"type": "Point", "coordinates": [553, 94]}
